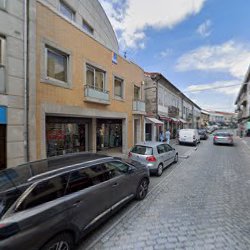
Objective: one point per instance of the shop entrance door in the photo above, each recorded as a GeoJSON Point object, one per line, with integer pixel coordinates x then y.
{"type": "Point", "coordinates": [2, 146]}
{"type": "Point", "coordinates": [148, 132]}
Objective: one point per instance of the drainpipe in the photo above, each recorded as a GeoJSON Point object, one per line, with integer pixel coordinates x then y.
{"type": "Point", "coordinates": [26, 80]}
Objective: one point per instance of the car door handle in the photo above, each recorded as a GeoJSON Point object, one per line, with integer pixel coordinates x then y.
{"type": "Point", "coordinates": [115, 184]}
{"type": "Point", "coordinates": [77, 203]}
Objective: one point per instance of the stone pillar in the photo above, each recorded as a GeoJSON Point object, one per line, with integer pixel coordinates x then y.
{"type": "Point", "coordinates": [92, 136]}
{"type": "Point", "coordinates": [124, 136]}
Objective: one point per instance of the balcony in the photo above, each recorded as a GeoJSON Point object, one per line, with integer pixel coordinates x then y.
{"type": "Point", "coordinates": [2, 79]}
{"type": "Point", "coordinates": [93, 94]}
{"type": "Point", "coordinates": [139, 107]}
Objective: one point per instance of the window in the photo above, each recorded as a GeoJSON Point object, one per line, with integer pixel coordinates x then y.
{"type": "Point", "coordinates": [67, 11]}
{"type": "Point", "coordinates": [118, 87]}
{"type": "Point", "coordinates": [136, 93]}
{"type": "Point", "coordinates": [45, 191]}
{"type": "Point", "coordinates": [57, 64]}
{"type": "Point", "coordinates": [117, 167]}
{"type": "Point", "coordinates": [168, 148]}
{"type": "Point", "coordinates": [95, 78]}
{"type": "Point", "coordinates": [161, 149]}
{"type": "Point", "coordinates": [87, 27]}
{"type": "Point", "coordinates": [79, 180]}
{"type": "Point", "coordinates": [142, 150]}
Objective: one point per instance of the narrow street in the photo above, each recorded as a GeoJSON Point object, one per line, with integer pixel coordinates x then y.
{"type": "Point", "coordinates": [200, 203]}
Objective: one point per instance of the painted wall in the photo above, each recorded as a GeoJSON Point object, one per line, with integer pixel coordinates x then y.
{"type": "Point", "coordinates": [82, 48]}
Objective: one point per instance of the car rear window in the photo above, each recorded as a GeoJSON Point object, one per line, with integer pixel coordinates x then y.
{"type": "Point", "coordinates": [142, 150]}
{"type": "Point", "coordinates": [222, 134]}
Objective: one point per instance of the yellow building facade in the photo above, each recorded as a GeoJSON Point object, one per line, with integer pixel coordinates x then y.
{"type": "Point", "coordinates": [88, 98]}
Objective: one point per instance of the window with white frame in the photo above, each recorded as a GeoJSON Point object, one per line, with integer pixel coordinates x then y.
{"type": "Point", "coordinates": [118, 87]}
{"type": "Point", "coordinates": [67, 11]}
{"type": "Point", "coordinates": [87, 27]}
{"type": "Point", "coordinates": [56, 64]}
{"type": "Point", "coordinates": [95, 78]}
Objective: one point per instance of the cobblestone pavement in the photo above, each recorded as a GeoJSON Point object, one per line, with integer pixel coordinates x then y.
{"type": "Point", "coordinates": [204, 203]}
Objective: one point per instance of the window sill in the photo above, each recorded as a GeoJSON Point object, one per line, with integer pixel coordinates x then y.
{"type": "Point", "coordinates": [56, 83]}
{"type": "Point", "coordinates": [117, 98]}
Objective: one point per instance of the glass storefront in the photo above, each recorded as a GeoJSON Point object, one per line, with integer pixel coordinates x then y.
{"type": "Point", "coordinates": [66, 135]}
{"type": "Point", "coordinates": [109, 133]}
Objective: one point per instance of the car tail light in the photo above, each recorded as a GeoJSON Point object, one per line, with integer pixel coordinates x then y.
{"type": "Point", "coordinates": [7, 230]}
{"type": "Point", "coordinates": [129, 154]}
{"type": "Point", "coordinates": [215, 137]}
{"type": "Point", "coordinates": [151, 158]}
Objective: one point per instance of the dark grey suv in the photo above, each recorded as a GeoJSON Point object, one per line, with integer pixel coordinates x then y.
{"type": "Point", "coordinates": [50, 204]}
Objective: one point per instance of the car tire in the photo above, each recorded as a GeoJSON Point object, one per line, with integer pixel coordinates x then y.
{"type": "Point", "coordinates": [159, 170]}
{"type": "Point", "coordinates": [176, 158]}
{"type": "Point", "coordinates": [63, 241]}
{"type": "Point", "coordinates": [142, 189]}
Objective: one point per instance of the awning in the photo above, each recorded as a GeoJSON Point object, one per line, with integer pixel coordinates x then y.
{"type": "Point", "coordinates": [165, 118]}
{"type": "Point", "coordinates": [183, 121]}
{"type": "Point", "coordinates": [174, 119]}
{"type": "Point", "coordinates": [154, 120]}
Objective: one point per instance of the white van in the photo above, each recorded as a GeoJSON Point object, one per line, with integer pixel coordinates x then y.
{"type": "Point", "coordinates": [189, 136]}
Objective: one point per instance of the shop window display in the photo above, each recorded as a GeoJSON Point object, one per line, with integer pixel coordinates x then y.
{"type": "Point", "coordinates": [64, 138]}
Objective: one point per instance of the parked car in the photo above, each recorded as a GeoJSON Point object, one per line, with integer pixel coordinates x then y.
{"type": "Point", "coordinates": [51, 204]}
{"type": "Point", "coordinates": [222, 137]}
{"type": "Point", "coordinates": [203, 134]}
{"type": "Point", "coordinates": [155, 155]}
{"type": "Point", "coordinates": [189, 136]}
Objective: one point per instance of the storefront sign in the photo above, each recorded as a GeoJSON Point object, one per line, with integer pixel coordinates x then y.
{"type": "Point", "coordinates": [3, 115]}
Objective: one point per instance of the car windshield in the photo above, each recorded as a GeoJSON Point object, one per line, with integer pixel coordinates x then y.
{"type": "Point", "coordinates": [142, 150]}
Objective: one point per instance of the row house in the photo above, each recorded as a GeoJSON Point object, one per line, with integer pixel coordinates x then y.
{"type": "Point", "coordinates": [67, 89]}
{"type": "Point", "coordinates": [243, 105]}
{"type": "Point", "coordinates": [13, 83]}
{"type": "Point", "coordinates": [167, 107]}
{"type": "Point", "coordinates": [204, 118]}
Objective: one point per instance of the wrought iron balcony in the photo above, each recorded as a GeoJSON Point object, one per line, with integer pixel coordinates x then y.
{"type": "Point", "coordinates": [94, 94]}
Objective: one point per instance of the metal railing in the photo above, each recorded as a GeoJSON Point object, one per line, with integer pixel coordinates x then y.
{"type": "Point", "coordinates": [96, 93]}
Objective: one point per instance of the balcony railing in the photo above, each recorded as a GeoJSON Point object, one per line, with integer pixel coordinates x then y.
{"type": "Point", "coordinates": [139, 106]}
{"type": "Point", "coordinates": [2, 79]}
{"type": "Point", "coordinates": [94, 94]}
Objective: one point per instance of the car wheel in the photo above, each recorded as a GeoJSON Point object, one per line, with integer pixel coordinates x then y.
{"type": "Point", "coordinates": [142, 189]}
{"type": "Point", "coordinates": [176, 158]}
{"type": "Point", "coordinates": [160, 170]}
{"type": "Point", "coordinates": [63, 241]}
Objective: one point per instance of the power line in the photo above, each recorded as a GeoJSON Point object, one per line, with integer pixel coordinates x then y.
{"type": "Point", "coordinates": [219, 87]}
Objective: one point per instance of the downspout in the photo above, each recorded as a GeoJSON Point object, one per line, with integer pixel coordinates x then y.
{"type": "Point", "coordinates": [26, 80]}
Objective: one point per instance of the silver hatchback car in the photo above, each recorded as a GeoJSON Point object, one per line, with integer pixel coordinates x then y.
{"type": "Point", "coordinates": [155, 155]}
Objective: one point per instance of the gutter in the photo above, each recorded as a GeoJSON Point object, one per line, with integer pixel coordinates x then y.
{"type": "Point", "coordinates": [26, 81]}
